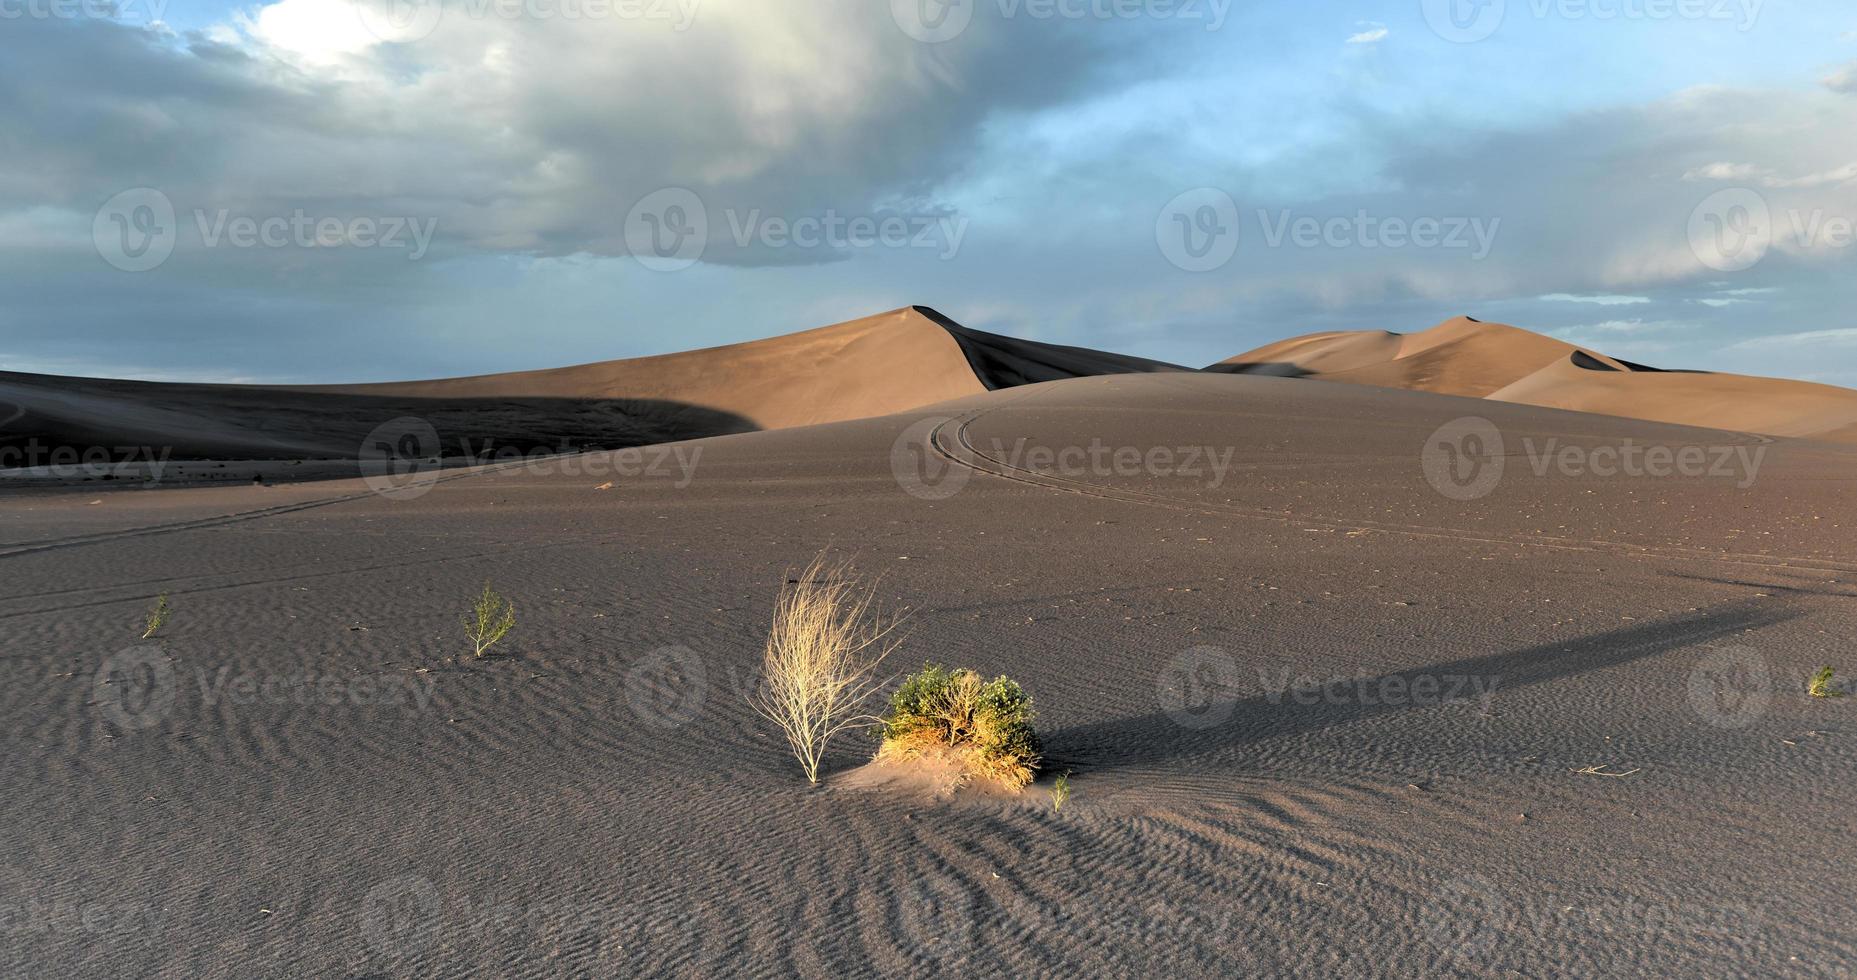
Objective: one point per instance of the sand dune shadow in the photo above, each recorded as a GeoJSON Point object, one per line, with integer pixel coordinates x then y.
{"type": "Point", "coordinates": [1209, 724]}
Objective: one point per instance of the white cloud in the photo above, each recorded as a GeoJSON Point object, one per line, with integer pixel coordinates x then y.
{"type": "Point", "coordinates": [1598, 300]}
{"type": "Point", "coordinates": [1616, 327]}
{"type": "Point", "coordinates": [1724, 171]}
{"type": "Point", "coordinates": [1843, 79]}
{"type": "Point", "coordinates": [1836, 175]}
{"type": "Point", "coordinates": [1733, 297]}
{"type": "Point", "coordinates": [1371, 34]}
{"type": "Point", "coordinates": [319, 33]}
{"type": "Point", "coordinates": [1843, 336]}
{"type": "Point", "coordinates": [1747, 173]}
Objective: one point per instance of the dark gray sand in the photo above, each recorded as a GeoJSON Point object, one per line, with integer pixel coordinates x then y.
{"type": "Point", "coordinates": [1323, 719]}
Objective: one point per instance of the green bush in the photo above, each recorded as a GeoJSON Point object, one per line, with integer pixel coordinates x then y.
{"type": "Point", "coordinates": [1822, 686]}
{"type": "Point", "coordinates": [491, 619]}
{"type": "Point", "coordinates": [987, 724]}
{"type": "Point", "coordinates": [157, 616]}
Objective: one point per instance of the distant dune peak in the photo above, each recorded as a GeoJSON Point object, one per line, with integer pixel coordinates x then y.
{"type": "Point", "coordinates": [1467, 357]}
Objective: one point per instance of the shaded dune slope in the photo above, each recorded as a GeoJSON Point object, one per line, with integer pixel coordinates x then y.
{"type": "Point", "coordinates": [1006, 362]}
{"type": "Point", "coordinates": [1495, 361]}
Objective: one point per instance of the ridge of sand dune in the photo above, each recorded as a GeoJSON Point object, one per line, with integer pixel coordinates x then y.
{"type": "Point", "coordinates": [1721, 401]}
{"type": "Point", "coordinates": [1317, 353]}
{"type": "Point", "coordinates": [877, 365]}
{"type": "Point", "coordinates": [1457, 357]}
{"type": "Point", "coordinates": [1473, 359]}
{"type": "Point", "coordinates": [1006, 362]}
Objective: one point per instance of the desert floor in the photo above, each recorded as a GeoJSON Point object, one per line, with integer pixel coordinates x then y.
{"type": "Point", "coordinates": [304, 774]}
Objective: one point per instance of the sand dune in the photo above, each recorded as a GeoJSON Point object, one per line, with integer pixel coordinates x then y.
{"type": "Point", "coordinates": [873, 366]}
{"type": "Point", "coordinates": [879, 365]}
{"type": "Point", "coordinates": [1503, 363]}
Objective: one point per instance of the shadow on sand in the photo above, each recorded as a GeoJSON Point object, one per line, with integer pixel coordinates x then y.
{"type": "Point", "coordinates": [40, 416]}
{"type": "Point", "coordinates": [1161, 738]}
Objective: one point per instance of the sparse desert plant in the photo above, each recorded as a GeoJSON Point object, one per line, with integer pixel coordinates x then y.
{"type": "Point", "coordinates": [157, 616]}
{"type": "Point", "coordinates": [825, 644]}
{"type": "Point", "coordinates": [492, 616]}
{"type": "Point", "coordinates": [1822, 686]}
{"type": "Point", "coordinates": [986, 725]}
{"type": "Point", "coordinates": [1060, 791]}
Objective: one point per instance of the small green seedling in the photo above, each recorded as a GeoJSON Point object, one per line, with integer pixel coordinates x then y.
{"type": "Point", "coordinates": [1060, 791]}
{"type": "Point", "coordinates": [157, 616]}
{"type": "Point", "coordinates": [1822, 686]}
{"type": "Point", "coordinates": [490, 620]}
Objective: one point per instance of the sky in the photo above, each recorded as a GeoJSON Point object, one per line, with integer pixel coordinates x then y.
{"type": "Point", "coordinates": [363, 190]}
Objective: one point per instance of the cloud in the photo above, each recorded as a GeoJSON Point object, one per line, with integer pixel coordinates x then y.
{"type": "Point", "coordinates": [1747, 173]}
{"type": "Point", "coordinates": [1601, 300]}
{"type": "Point", "coordinates": [1836, 175]}
{"type": "Point", "coordinates": [1843, 79]}
{"type": "Point", "coordinates": [1372, 33]}
{"type": "Point", "coordinates": [1840, 337]}
{"type": "Point", "coordinates": [1617, 327]}
{"type": "Point", "coordinates": [1724, 171]}
{"type": "Point", "coordinates": [532, 135]}
{"type": "Point", "coordinates": [529, 142]}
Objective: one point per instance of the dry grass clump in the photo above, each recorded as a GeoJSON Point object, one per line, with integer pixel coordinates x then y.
{"type": "Point", "coordinates": [825, 644]}
{"type": "Point", "coordinates": [986, 724]}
